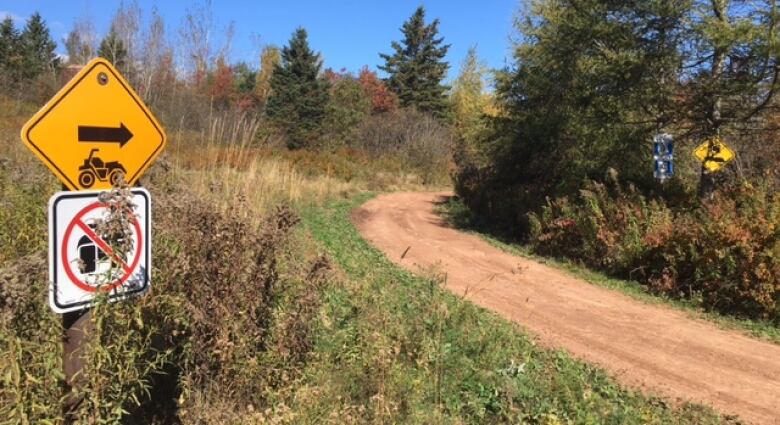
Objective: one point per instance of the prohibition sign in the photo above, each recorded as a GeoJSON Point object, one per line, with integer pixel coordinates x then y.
{"type": "Point", "coordinates": [78, 222]}
{"type": "Point", "coordinates": [82, 263]}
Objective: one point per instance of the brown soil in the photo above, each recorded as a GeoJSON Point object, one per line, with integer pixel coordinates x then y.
{"type": "Point", "coordinates": [657, 349]}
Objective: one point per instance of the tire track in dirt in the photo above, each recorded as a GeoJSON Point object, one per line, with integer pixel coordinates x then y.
{"type": "Point", "coordinates": [649, 347]}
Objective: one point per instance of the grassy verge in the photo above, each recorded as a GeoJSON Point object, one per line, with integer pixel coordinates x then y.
{"type": "Point", "coordinates": [459, 216]}
{"type": "Point", "coordinates": [397, 348]}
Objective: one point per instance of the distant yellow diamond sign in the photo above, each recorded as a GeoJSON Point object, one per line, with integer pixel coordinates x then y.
{"type": "Point", "coordinates": [95, 130]}
{"type": "Point", "coordinates": [714, 154]}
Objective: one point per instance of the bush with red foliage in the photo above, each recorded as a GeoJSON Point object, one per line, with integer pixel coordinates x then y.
{"type": "Point", "coordinates": [382, 99]}
{"type": "Point", "coordinates": [723, 255]}
{"type": "Point", "coordinates": [221, 84]}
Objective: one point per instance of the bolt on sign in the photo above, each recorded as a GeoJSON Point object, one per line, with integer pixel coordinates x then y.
{"type": "Point", "coordinates": [82, 262]}
{"type": "Point", "coordinates": [95, 130]}
{"type": "Point", "coordinates": [714, 154]}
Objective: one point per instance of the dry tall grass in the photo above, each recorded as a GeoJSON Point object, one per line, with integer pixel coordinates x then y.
{"type": "Point", "coordinates": [225, 173]}
{"type": "Point", "coordinates": [227, 162]}
{"type": "Point", "coordinates": [237, 170]}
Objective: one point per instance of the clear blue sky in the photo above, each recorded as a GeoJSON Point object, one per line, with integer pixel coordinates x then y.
{"type": "Point", "coordinates": [348, 33]}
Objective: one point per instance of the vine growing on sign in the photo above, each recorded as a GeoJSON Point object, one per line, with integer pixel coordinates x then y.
{"type": "Point", "coordinates": [116, 229]}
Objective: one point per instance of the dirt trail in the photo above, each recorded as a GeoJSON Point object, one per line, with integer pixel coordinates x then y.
{"type": "Point", "coordinates": [650, 347]}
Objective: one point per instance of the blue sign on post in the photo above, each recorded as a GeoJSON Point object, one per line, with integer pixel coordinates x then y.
{"type": "Point", "coordinates": [663, 156]}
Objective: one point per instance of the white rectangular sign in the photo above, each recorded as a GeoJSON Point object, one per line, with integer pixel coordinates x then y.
{"type": "Point", "coordinates": [82, 262]}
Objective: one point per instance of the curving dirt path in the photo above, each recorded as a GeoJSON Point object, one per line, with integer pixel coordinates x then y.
{"type": "Point", "coordinates": [650, 347]}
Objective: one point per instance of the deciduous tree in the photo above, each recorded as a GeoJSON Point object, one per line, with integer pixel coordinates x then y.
{"type": "Point", "coordinates": [270, 57]}
{"type": "Point", "coordinates": [125, 26]}
{"type": "Point", "coordinates": [80, 42]}
{"type": "Point", "coordinates": [380, 96]}
{"type": "Point", "coordinates": [221, 84]}
{"type": "Point", "coordinates": [469, 101]}
{"type": "Point", "coordinates": [155, 73]}
{"type": "Point", "coordinates": [195, 47]}
{"type": "Point", "coordinates": [347, 108]}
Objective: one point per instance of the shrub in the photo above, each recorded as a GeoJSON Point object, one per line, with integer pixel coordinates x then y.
{"type": "Point", "coordinates": [227, 323]}
{"type": "Point", "coordinates": [728, 252]}
{"type": "Point", "coordinates": [420, 139]}
{"type": "Point", "coordinates": [723, 255]}
{"type": "Point", "coordinates": [22, 211]}
{"type": "Point", "coordinates": [30, 344]}
{"type": "Point", "coordinates": [241, 325]}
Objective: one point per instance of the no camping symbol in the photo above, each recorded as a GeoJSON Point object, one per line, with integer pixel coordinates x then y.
{"type": "Point", "coordinates": [82, 263]}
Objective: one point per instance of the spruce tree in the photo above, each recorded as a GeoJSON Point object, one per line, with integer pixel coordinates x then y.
{"type": "Point", "coordinates": [416, 68]}
{"type": "Point", "coordinates": [38, 48]}
{"type": "Point", "coordinates": [298, 95]}
{"type": "Point", "coordinates": [10, 53]}
{"type": "Point", "coordinates": [113, 49]}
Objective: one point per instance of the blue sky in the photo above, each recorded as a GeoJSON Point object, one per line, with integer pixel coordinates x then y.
{"type": "Point", "coordinates": [348, 33]}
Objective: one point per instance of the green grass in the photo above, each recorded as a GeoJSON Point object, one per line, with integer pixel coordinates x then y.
{"type": "Point", "coordinates": [397, 348]}
{"type": "Point", "coordinates": [459, 216]}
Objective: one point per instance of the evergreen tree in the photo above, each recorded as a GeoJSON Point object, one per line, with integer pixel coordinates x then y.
{"type": "Point", "coordinates": [244, 79]}
{"type": "Point", "coordinates": [594, 80]}
{"type": "Point", "coordinates": [416, 68]}
{"type": "Point", "coordinates": [113, 49]}
{"type": "Point", "coordinates": [298, 95]}
{"type": "Point", "coordinates": [38, 48]}
{"type": "Point", "coordinates": [11, 54]}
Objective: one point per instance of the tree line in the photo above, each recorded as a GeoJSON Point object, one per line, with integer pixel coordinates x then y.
{"type": "Point", "coordinates": [563, 157]}
{"type": "Point", "coordinates": [27, 53]}
{"type": "Point", "coordinates": [288, 91]}
{"type": "Point", "coordinates": [593, 81]}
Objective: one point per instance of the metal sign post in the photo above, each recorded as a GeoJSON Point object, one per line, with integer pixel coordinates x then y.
{"type": "Point", "coordinates": [93, 134]}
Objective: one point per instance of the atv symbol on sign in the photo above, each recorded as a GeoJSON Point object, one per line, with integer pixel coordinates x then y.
{"type": "Point", "coordinates": [95, 169]}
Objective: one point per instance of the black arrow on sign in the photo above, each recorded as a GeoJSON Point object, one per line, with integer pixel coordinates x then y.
{"type": "Point", "coordinates": [119, 134]}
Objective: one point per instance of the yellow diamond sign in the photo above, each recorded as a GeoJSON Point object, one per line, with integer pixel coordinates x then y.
{"type": "Point", "coordinates": [95, 130]}
{"type": "Point", "coordinates": [714, 154]}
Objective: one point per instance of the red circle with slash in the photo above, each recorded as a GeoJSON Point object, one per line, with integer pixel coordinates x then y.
{"type": "Point", "coordinates": [102, 245]}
